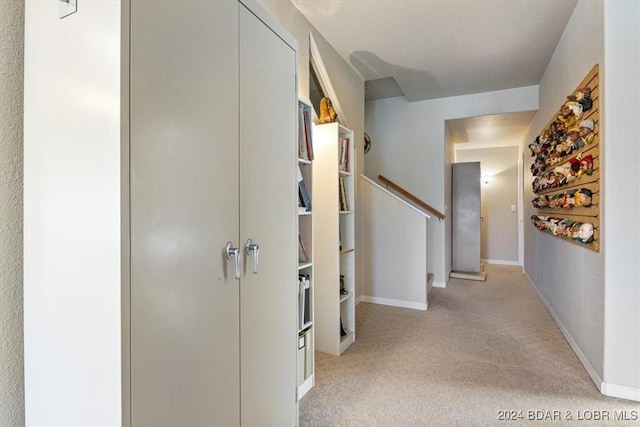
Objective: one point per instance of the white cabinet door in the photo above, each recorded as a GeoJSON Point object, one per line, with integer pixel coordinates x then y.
{"type": "Point", "coordinates": [184, 208]}
{"type": "Point", "coordinates": [268, 200]}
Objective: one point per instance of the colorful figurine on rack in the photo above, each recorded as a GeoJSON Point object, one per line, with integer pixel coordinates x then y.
{"type": "Point", "coordinates": [537, 147]}
{"type": "Point", "coordinates": [539, 221]}
{"type": "Point", "coordinates": [540, 202]}
{"type": "Point", "coordinates": [581, 165]}
{"type": "Point", "coordinates": [327, 113]}
{"type": "Point", "coordinates": [586, 128]}
{"type": "Point", "coordinates": [563, 226]}
{"type": "Point", "coordinates": [553, 158]}
{"type": "Point", "coordinates": [564, 175]}
{"type": "Point", "coordinates": [584, 197]}
{"type": "Point", "coordinates": [583, 97]}
{"type": "Point", "coordinates": [539, 165]}
{"type": "Point", "coordinates": [559, 201]}
{"type": "Point", "coordinates": [563, 148]}
{"type": "Point", "coordinates": [567, 116]}
{"type": "Point", "coordinates": [583, 232]}
{"type": "Point", "coordinates": [574, 139]}
{"type": "Point", "coordinates": [576, 108]}
{"type": "Point", "coordinates": [558, 130]}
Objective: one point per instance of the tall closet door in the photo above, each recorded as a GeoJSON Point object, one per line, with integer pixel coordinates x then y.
{"type": "Point", "coordinates": [184, 208]}
{"type": "Point", "coordinates": [465, 195]}
{"type": "Point", "coordinates": [268, 200]}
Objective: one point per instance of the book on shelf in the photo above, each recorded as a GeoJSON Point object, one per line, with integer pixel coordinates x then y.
{"type": "Point", "coordinates": [304, 299]}
{"type": "Point", "coordinates": [343, 330]}
{"type": "Point", "coordinates": [343, 161]}
{"type": "Point", "coordinates": [302, 145]}
{"type": "Point", "coordinates": [303, 255]}
{"type": "Point", "coordinates": [303, 194]}
{"type": "Point", "coordinates": [344, 196]}
{"type": "Point", "coordinates": [306, 116]}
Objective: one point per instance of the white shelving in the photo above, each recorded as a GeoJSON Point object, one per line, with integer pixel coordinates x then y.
{"type": "Point", "coordinates": [306, 377]}
{"type": "Point", "coordinates": [334, 244]}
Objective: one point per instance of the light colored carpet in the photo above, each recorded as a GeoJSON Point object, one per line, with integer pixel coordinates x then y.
{"type": "Point", "coordinates": [481, 348]}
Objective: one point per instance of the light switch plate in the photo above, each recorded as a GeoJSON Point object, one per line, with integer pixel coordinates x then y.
{"type": "Point", "coordinates": [67, 7]}
{"type": "Point", "coordinates": [513, 208]}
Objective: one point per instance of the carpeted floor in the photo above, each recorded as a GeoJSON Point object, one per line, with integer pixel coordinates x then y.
{"type": "Point", "coordinates": [481, 348]}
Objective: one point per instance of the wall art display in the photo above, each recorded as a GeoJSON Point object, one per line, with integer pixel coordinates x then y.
{"type": "Point", "coordinates": [566, 168]}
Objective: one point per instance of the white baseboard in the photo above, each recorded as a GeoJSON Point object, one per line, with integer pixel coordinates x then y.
{"type": "Point", "coordinates": [499, 262]}
{"type": "Point", "coordinates": [395, 302]}
{"type": "Point", "coordinates": [439, 285]}
{"type": "Point", "coordinates": [620, 391]}
{"type": "Point", "coordinates": [359, 300]}
{"type": "Point", "coordinates": [574, 346]}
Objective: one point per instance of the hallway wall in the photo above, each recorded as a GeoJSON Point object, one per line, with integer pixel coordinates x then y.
{"type": "Point", "coordinates": [594, 296]}
{"type": "Point", "coordinates": [569, 278]}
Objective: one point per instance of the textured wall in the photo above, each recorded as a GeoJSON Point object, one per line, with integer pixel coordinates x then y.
{"type": "Point", "coordinates": [11, 338]}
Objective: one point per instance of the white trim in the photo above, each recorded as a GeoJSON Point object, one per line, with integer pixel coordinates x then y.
{"type": "Point", "coordinates": [574, 346]}
{"type": "Point", "coordinates": [395, 302]}
{"type": "Point", "coordinates": [325, 81]}
{"type": "Point", "coordinates": [620, 391]}
{"type": "Point", "coordinates": [359, 300]}
{"type": "Point", "coordinates": [439, 284]}
{"type": "Point", "coordinates": [500, 262]}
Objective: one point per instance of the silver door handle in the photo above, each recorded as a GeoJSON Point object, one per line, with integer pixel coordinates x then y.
{"type": "Point", "coordinates": [253, 249]}
{"type": "Point", "coordinates": [234, 252]}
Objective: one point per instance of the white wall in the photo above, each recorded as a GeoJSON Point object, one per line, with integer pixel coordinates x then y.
{"type": "Point", "coordinates": [11, 331]}
{"type": "Point", "coordinates": [409, 147]}
{"type": "Point", "coordinates": [569, 277]}
{"type": "Point", "coordinates": [348, 85]}
{"type": "Point", "coordinates": [621, 152]}
{"type": "Point", "coordinates": [72, 215]}
{"type": "Point", "coordinates": [499, 236]}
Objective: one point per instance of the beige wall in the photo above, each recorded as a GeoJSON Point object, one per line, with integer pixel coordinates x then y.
{"type": "Point", "coordinates": [11, 312]}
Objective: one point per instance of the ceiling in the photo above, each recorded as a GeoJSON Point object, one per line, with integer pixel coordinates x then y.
{"type": "Point", "coordinates": [427, 49]}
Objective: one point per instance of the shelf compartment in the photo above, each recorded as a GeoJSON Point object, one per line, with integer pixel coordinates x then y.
{"type": "Point", "coordinates": [302, 266]}
{"type": "Point", "coordinates": [345, 297]}
{"type": "Point", "coordinates": [347, 340]}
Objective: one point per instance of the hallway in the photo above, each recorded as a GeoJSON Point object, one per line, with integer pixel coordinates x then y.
{"type": "Point", "coordinates": [481, 348]}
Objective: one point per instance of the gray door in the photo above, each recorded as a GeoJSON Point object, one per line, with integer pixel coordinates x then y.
{"type": "Point", "coordinates": [184, 208]}
{"type": "Point", "coordinates": [466, 217]}
{"type": "Point", "coordinates": [268, 211]}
